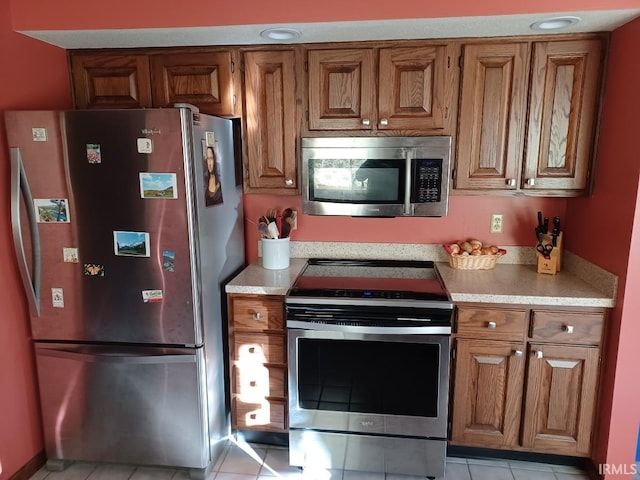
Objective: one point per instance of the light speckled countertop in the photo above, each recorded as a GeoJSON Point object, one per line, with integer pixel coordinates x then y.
{"type": "Point", "coordinates": [513, 280]}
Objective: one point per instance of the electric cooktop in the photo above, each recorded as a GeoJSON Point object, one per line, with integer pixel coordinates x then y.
{"type": "Point", "coordinates": [369, 279]}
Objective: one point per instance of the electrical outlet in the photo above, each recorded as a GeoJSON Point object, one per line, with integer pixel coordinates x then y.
{"type": "Point", "coordinates": [496, 223]}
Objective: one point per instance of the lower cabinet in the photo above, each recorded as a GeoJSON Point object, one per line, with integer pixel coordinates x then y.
{"type": "Point", "coordinates": [537, 393]}
{"type": "Point", "coordinates": [258, 362]}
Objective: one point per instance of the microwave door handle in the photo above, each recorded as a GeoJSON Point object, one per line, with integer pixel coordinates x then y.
{"type": "Point", "coordinates": [408, 158]}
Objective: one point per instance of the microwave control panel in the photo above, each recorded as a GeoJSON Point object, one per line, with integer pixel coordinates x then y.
{"type": "Point", "coordinates": [427, 181]}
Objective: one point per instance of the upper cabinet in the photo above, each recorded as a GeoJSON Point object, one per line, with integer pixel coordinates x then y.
{"type": "Point", "coordinates": [204, 79]}
{"type": "Point", "coordinates": [156, 78]}
{"type": "Point", "coordinates": [271, 120]}
{"type": "Point", "coordinates": [563, 108]}
{"type": "Point", "coordinates": [382, 89]}
{"type": "Point", "coordinates": [527, 116]}
{"type": "Point", "coordinates": [110, 81]}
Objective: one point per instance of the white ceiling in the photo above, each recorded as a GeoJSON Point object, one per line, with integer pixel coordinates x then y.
{"type": "Point", "coordinates": [454, 27]}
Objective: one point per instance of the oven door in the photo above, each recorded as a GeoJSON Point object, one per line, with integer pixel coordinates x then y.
{"type": "Point", "coordinates": [379, 384]}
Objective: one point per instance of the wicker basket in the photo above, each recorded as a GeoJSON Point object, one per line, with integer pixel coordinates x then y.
{"type": "Point", "coordinates": [473, 262]}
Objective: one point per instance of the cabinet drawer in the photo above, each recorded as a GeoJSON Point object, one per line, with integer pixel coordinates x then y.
{"type": "Point", "coordinates": [256, 348]}
{"type": "Point", "coordinates": [491, 324]}
{"type": "Point", "coordinates": [256, 381]}
{"type": "Point", "coordinates": [267, 415]}
{"type": "Point", "coordinates": [575, 328]}
{"type": "Point", "coordinates": [258, 314]}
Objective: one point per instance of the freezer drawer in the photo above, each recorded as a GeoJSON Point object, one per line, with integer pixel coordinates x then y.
{"type": "Point", "coordinates": [138, 405]}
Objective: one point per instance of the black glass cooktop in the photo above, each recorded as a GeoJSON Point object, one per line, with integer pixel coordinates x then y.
{"type": "Point", "coordinates": [375, 279]}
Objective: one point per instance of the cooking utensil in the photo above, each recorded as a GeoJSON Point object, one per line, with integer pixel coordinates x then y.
{"type": "Point", "coordinates": [273, 230]}
{"type": "Point", "coordinates": [545, 250]}
{"type": "Point", "coordinates": [263, 229]}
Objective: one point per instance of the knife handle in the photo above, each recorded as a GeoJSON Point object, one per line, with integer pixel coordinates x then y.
{"type": "Point", "coordinates": [546, 225]}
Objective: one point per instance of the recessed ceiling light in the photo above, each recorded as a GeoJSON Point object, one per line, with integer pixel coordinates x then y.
{"type": "Point", "coordinates": [280, 33]}
{"type": "Point", "coordinates": [555, 23]}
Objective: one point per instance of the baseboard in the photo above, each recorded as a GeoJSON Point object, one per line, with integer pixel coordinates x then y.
{"type": "Point", "coordinates": [31, 467]}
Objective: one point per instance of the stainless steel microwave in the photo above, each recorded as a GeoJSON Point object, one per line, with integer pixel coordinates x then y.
{"type": "Point", "coordinates": [376, 176]}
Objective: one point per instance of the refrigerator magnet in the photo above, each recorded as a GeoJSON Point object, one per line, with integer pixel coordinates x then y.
{"type": "Point", "coordinates": [70, 255]}
{"type": "Point", "coordinates": [145, 145]}
{"type": "Point", "coordinates": [93, 153]}
{"type": "Point", "coordinates": [212, 185]}
{"type": "Point", "coordinates": [52, 210]}
{"type": "Point", "coordinates": [131, 244]}
{"type": "Point", "coordinates": [39, 134]}
{"type": "Point", "coordinates": [93, 270]}
{"type": "Point", "coordinates": [168, 260]}
{"type": "Point", "coordinates": [57, 297]}
{"type": "Point", "coordinates": [210, 138]}
{"type": "Point", "coordinates": [149, 296]}
{"type": "Point", "coordinates": [158, 185]}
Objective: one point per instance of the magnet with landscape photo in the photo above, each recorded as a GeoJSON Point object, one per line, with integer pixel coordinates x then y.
{"type": "Point", "coordinates": [70, 255]}
{"type": "Point", "coordinates": [158, 185]}
{"type": "Point", "coordinates": [52, 210]}
{"type": "Point", "coordinates": [168, 260]}
{"type": "Point", "coordinates": [131, 244]}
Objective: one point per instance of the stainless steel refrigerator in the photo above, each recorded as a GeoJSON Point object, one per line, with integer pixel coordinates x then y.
{"type": "Point", "coordinates": [126, 223]}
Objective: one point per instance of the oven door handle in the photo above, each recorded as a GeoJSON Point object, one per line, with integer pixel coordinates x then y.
{"type": "Point", "coordinates": [330, 327]}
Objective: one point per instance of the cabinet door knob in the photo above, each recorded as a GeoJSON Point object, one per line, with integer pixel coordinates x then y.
{"type": "Point", "coordinates": [257, 316]}
{"type": "Point", "coordinates": [491, 325]}
{"type": "Point", "coordinates": [288, 182]}
{"type": "Point", "coordinates": [568, 328]}
{"type": "Point", "coordinates": [366, 122]}
{"type": "Point", "coordinates": [384, 122]}
{"type": "Point", "coordinates": [531, 182]}
{"type": "Point", "coordinates": [511, 182]}
{"type": "Point", "coordinates": [538, 354]}
{"type": "Point", "coordinates": [517, 353]}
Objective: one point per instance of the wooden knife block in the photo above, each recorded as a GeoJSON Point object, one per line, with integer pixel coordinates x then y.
{"type": "Point", "coordinates": [553, 264]}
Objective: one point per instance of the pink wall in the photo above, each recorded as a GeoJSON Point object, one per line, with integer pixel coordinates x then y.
{"type": "Point", "coordinates": [468, 217]}
{"type": "Point", "coordinates": [34, 75]}
{"type": "Point", "coordinates": [610, 216]}
{"type": "Point", "coordinates": [83, 14]}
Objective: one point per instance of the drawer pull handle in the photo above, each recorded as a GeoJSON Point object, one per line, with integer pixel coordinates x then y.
{"type": "Point", "coordinates": [511, 182]}
{"type": "Point", "coordinates": [491, 325]}
{"type": "Point", "coordinates": [257, 316]}
{"type": "Point", "coordinates": [253, 383]}
{"type": "Point", "coordinates": [538, 354]}
{"type": "Point", "coordinates": [253, 416]}
{"type": "Point", "coordinates": [517, 353]}
{"type": "Point", "coordinates": [252, 349]}
{"type": "Point", "coordinates": [384, 122]}
{"type": "Point", "coordinates": [366, 122]}
{"type": "Point", "coordinates": [568, 328]}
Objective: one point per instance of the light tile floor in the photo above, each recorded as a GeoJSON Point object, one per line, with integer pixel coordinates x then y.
{"type": "Point", "coordinates": [242, 461]}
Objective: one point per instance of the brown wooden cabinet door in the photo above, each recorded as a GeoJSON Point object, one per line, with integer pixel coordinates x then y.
{"type": "Point", "coordinates": [487, 395]}
{"type": "Point", "coordinates": [341, 89]}
{"type": "Point", "coordinates": [412, 82]}
{"type": "Point", "coordinates": [564, 97]}
{"type": "Point", "coordinates": [203, 79]}
{"type": "Point", "coordinates": [492, 116]}
{"type": "Point", "coordinates": [560, 399]}
{"type": "Point", "coordinates": [271, 121]}
{"type": "Point", "coordinates": [110, 81]}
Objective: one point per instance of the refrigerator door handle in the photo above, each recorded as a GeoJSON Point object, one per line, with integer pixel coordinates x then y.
{"type": "Point", "coordinates": [20, 188]}
{"type": "Point", "coordinates": [115, 357]}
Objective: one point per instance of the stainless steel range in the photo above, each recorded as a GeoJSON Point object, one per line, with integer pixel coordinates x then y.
{"type": "Point", "coordinates": [368, 345]}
